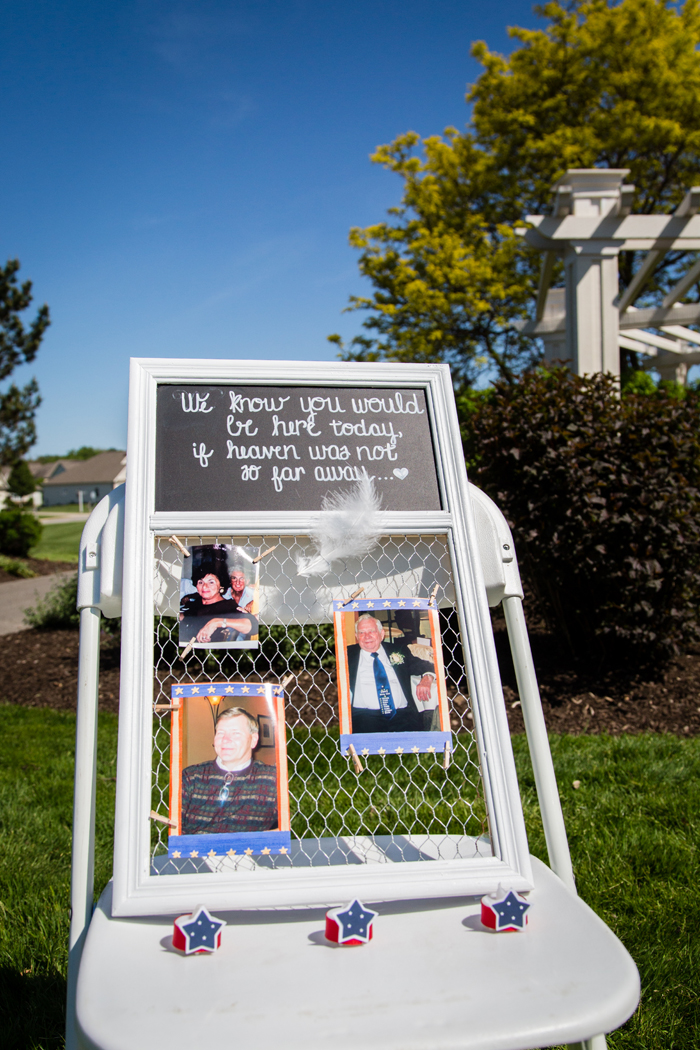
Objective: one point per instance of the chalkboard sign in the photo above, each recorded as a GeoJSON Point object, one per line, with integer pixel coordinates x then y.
{"type": "Point", "coordinates": [283, 448]}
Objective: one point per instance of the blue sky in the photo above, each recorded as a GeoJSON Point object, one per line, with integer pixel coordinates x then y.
{"type": "Point", "coordinates": [179, 178]}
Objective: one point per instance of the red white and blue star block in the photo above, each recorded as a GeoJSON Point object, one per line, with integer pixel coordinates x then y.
{"type": "Point", "coordinates": [198, 932]}
{"type": "Point", "coordinates": [504, 910]}
{"type": "Point", "coordinates": [351, 924]}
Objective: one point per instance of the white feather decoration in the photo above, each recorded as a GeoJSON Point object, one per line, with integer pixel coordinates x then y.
{"type": "Point", "coordinates": [348, 526]}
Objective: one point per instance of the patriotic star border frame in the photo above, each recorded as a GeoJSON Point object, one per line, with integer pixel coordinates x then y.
{"type": "Point", "coordinates": [233, 846]}
{"type": "Point", "coordinates": [383, 604]}
{"type": "Point", "coordinates": [389, 743]}
{"type": "Point", "coordinates": [224, 689]}
{"type": "Point", "coordinates": [228, 844]}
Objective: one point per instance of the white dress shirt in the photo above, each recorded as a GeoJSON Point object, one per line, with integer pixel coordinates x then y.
{"type": "Point", "coordinates": [365, 695]}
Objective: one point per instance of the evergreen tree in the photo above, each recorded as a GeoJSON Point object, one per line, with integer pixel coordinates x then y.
{"type": "Point", "coordinates": [18, 345]}
{"type": "Point", "coordinates": [21, 482]}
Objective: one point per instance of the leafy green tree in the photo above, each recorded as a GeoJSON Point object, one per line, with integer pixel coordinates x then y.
{"type": "Point", "coordinates": [82, 453]}
{"type": "Point", "coordinates": [21, 482]}
{"type": "Point", "coordinates": [18, 345]}
{"type": "Point", "coordinates": [604, 84]}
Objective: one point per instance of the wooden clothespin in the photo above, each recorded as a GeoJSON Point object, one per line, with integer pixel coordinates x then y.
{"type": "Point", "coordinates": [355, 759]}
{"type": "Point", "coordinates": [433, 593]}
{"type": "Point", "coordinates": [354, 595]}
{"type": "Point", "coordinates": [285, 681]}
{"type": "Point", "coordinates": [265, 554]}
{"type": "Point", "coordinates": [188, 648]}
{"type": "Point", "coordinates": [162, 819]}
{"type": "Point", "coordinates": [176, 543]}
{"type": "Point", "coordinates": [158, 708]}
{"type": "Point", "coordinates": [447, 756]}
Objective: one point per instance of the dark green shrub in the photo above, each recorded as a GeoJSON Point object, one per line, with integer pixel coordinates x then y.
{"type": "Point", "coordinates": [602, 495]}
{"type": "Point", "coordinates": [21, 482]}
{"type": "Point", "coordinates": [57, 609]}
{"type": "Point", "coordinates": [19, 531]}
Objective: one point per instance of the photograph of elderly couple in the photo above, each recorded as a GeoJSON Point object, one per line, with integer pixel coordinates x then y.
{"type": "Point", "coordinates": [219, 597]}
{"type": "Point", "coordinates": [228, 768]}
{"type": "Point", "coordinates": [391, 675]}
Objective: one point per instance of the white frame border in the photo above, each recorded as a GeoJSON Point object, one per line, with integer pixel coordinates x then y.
{"type": "Point", "coordinates": [136, 891]}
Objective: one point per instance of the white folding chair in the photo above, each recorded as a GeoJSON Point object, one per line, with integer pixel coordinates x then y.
{"type": "Point", "coordinates": [432, 978]}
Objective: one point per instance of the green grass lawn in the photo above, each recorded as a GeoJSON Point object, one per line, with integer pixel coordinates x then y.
{"type": "Point", "coordinates": [59, 542]}
{"type": "Point", "coordinates": [633, 827]}
{"type": "Point", "coordinates": [62, 508]}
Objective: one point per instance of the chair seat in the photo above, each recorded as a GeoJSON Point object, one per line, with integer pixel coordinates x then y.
{"type": "Point", "coordinates": [432, 977]}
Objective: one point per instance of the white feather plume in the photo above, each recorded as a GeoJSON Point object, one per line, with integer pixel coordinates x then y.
{"type": "Point", "coordinates": [348, 526]}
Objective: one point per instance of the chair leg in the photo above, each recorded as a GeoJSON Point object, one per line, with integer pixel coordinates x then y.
{"type": "Point", "coordinates": [83, 859]}
{"type": "Point", "coordinates": [597, 1042]}
{"type": "Point", "coordinates": [538, 742]}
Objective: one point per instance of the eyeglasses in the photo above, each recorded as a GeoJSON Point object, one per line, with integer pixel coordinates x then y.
{"type": "Point", "coordinates": [225, 792]}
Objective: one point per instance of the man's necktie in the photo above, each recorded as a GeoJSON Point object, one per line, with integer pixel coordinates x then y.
{"type": "Point", "coordinates": [381, 680]}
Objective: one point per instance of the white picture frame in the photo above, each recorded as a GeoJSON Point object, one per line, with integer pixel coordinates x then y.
{"type": "Point", "coordinates": [138, 892]}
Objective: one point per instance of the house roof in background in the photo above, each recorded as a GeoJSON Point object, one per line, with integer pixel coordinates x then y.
{"type": "Point", "coordinates": [105, 466]}
{"type": "Point", "coordinates": [44, 471]}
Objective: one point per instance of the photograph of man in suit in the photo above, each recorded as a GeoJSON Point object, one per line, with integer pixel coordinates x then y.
{"type": "Point", "coordinates": [380, 682]}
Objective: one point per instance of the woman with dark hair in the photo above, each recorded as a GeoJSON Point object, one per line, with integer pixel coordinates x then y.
{"type": "Point", "coordinates": [207, 615]}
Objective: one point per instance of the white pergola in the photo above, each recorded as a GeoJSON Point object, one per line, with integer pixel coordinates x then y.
{"type": "Point", "coordinates": [588, 321]}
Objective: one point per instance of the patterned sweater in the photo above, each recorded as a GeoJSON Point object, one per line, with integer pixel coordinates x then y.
{"type": "Point", "coordinates": [251, 804]}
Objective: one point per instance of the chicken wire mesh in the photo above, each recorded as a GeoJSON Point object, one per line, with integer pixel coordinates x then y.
{"type": "Point", "coordinates": [400, 808]}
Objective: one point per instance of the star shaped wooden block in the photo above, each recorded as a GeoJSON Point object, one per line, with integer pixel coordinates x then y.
{"type": "Point", "coordinates": [198, 932]}
{"type": "Point", "coordinates": [351, 924]}
{"type": "Point", "coordinates": [504, 911]}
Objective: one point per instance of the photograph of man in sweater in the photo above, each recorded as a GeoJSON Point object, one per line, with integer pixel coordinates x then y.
{"type": "Point", "coordinates": [233, 792]}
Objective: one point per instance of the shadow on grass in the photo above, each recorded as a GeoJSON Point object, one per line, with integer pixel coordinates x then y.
{"type": "Point", "coordinates": [33, 1008]}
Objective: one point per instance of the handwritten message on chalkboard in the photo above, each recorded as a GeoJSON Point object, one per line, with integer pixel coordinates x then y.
{"type": "Point", "coordinates": [263, 448]}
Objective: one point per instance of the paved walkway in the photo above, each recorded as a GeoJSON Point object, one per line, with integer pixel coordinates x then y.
{"type": "Point", "coordinates": [18, 595]}
{"type": "Point", "coordinates": [47, 518]}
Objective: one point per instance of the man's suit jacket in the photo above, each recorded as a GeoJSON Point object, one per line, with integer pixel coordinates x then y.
{"type": "Point", "coordinates": [403, 671]}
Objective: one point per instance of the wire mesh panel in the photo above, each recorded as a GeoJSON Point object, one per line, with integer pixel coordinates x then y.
{"type": "Point", "coordinates": [400, 807]}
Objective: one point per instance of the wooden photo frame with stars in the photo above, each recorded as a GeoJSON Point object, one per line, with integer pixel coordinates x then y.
{"type": "Point", "coordinates": [402, 635]}
{"type": "Point", "coordinates": [229, 795]}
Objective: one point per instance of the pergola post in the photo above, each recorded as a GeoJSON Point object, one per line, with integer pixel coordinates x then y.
{"type": "Point", "coordinates": [591, 313]}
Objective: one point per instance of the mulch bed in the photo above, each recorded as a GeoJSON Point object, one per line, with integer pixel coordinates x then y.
{"type": "Point", "coordinates": [39, 567]}
{"type": "Point", "coordinates": [40, 669]}
{"type": "Point", "coordinates": [580, 700]}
